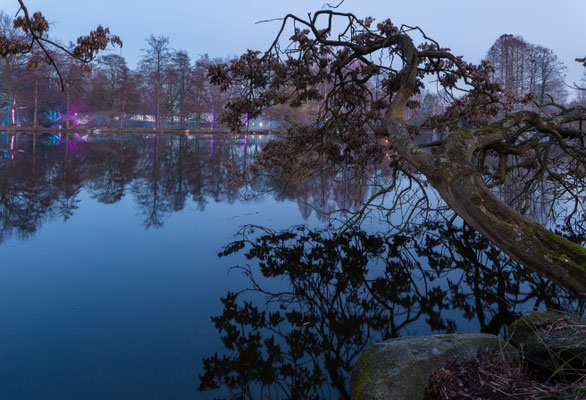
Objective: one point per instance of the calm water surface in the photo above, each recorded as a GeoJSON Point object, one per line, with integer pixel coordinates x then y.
{"type": "Point", "coordinates": [111, 286]}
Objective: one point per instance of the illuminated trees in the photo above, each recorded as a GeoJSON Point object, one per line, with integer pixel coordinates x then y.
{"type": "Point", "coordinates": [29, 36]}
{"type": "Point", "coordinates": [74, 77]}
{"type": "Point", "coordinates": [113, 87]}
{"type": "Point", "coordinates": [485, 136]}
{"type": "Point", "coordinates": [9, 65]}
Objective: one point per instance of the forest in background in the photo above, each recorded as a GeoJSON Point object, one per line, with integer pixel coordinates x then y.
{"type": "Point", "coordinates": [170, 89]}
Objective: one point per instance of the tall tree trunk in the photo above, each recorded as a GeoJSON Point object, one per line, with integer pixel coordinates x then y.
{"type": "Point", "coordinates": [9, 90]}
{"type": "Point", "coordinates": [542, 91]}
{"type": "Point", "coordinates": [34, 152]}
{"type": "Point", "coordinates": [16, 113]}
{"type": "Point", "coordinates": [36, 101]}
{"type": "Point", "coordinates": [68, 110]}
{"type": "Point", "coordinates": [158, 110]}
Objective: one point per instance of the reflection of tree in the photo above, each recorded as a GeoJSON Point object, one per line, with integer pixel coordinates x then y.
{"type": "Point", "coordinates": [148, 191]}
{"type": "Point", "coordinates": [68, 181]}
{"type": "Point", "coordinates": [317, 300]}
{"type": "Point", "coordinates": [23, 202]}
{"type": "Point", "coordinates": [41, 176]}
{"type": "Point", "coordinates": [116, 164]}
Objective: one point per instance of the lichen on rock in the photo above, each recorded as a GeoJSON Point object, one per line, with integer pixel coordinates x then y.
{"type": "Point", "coordinates": [400, 368]}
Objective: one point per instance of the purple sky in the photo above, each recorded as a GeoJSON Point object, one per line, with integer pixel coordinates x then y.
{"type": "Point", "coordinates": [227, 27]}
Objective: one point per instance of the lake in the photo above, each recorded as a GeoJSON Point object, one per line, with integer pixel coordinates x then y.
{"type": "Point", "coordinates": [133, 267]}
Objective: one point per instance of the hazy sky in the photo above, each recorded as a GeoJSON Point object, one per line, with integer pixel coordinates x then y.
{"type": "Point", "coordinates": [227, 27]}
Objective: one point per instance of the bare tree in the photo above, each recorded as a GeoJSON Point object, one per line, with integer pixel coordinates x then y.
{"type": "Point", "coordinates": [184, 75]}
{"type": "Point", "coordinates": [113, 87]}
{"type": "Point", "coordinates": [522, 68]}
{"type": "Point", "coordinates": [153, 64]}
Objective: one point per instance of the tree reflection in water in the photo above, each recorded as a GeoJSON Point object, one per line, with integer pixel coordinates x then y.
{"type": "Point", "coordinates": [341, 293]}
{"type": "Point", "coordinates": [42, 175]}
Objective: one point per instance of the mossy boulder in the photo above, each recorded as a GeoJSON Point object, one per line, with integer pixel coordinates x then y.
{"type": "Point", "coordinates": [400, 369]}
{"type": "Point", "coordinates": [551, 340]}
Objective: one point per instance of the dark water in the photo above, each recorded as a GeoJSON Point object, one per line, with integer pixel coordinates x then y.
{"type": "Point", "coordinates": [111, 286]}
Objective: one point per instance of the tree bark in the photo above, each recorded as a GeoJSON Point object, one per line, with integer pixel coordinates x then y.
{"type": "Point", "coordinates": [9, 89]}
{"type": "Point", "coordinates": [68, 110]}
{"type": "Point", "coordinates": [36, 102]}
{"type": "Point", "coordinates": [158, 111]}
{"type": "Point", "coordinates": [461, 186]}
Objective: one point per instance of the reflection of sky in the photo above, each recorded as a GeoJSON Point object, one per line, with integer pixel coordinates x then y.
{"type": "Point", "coordinates": [100, 306]}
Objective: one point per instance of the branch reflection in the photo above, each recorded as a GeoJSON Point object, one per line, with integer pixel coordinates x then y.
{"type": "Point", "coordinates": [316, 300]}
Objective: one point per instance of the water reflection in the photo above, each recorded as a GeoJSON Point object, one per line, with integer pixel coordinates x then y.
{"type": "Point", "coordinates": [341, 293]}
{"type": "Point", "coordinates": [41, 175]}
{"type": "Point", "coordinates": [311, 301]}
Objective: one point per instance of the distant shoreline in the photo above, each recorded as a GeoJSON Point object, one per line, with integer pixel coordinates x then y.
{"type": "Point", "coordinates": [86, 130]}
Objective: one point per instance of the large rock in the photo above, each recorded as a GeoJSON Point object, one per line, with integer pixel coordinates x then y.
{"type": "Point", "coordinates": [551, 340]}
{"type": "Point", "coordinates": [400, 369]}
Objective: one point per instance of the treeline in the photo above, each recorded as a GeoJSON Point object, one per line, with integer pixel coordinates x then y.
{"type": "Point", "coordinates": [523, 68]}
{"type": "Point", "coordinates": [169, 89]}
{"type": "Point", "coordinates": [166, 86]}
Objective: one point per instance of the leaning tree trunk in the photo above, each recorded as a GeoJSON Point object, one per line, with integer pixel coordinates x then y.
{"type": "Point", "coordinates": [461, 186]}
{"type": "Point", "coordinates": [527, 242]}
